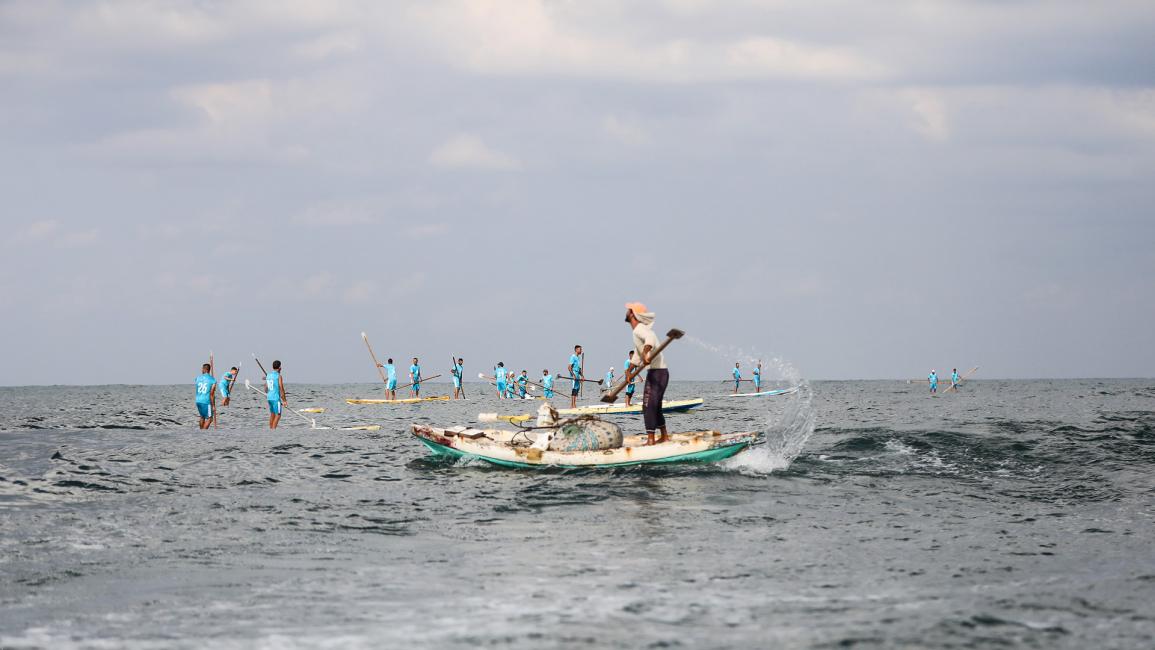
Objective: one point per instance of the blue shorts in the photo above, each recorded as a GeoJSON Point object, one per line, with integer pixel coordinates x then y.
{"type": "Point", "coordinates": [500, 386]}
{"type": "Point", "coordinates": [575, 389]}
{"type": "Point", "coordinates": [206, 410]}
{"type": "Point", "coordinates": [630, 389]}
{"type": "Point", "coordinates": [548, 392]}
{"type": "Point", "coordinates": [456, 382]}
{"type": "Point", "coordinates": [224, 389]}
{"type": "Point", "coordinates": [416, 387]}
{"type": "Point", "coordinates": [275, 407]}
{"type": "Point", "coordinates": [391, 384]}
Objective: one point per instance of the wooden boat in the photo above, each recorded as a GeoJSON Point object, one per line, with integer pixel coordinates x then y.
{"type": "Point", "coordinates": [668, 406]}
{"type": "Point", "coordinates": [767, 393]}
{"type": "Point", "coordinates": [496, 446]}
{"type": "Point", "coordinates": [410, 400]}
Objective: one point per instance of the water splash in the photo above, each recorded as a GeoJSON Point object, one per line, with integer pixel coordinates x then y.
{"type": "Point", "coordinates": [787, 420]}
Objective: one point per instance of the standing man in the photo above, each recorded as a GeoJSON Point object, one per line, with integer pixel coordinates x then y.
{"type": "Point", "coordinates": [758, 378]}
{"type": "Point", "coordinates": [626, 369]}
{"type": "Point", "coordinates": [458, 369]}
{"type": "Point", "coordinates": [737, 378]}
{"type": "Point", "coordinates": [499, 379]}
{"type": "Point", "coordinates": [547, 383]}
{"type": "Point", "coordinates": [641, 322]}
{"type": "Point", "coordinates": [391, 379]}
{"type": "Point", "coordinates": [575, 371]}
{"type": "Point", "coordinates": [954, 379]}
{"type": "Point", "coordinates": [522, 383]}
{"type": "Point", "coordinates": [609, 379]}
{"type": "Point", "coordinates": [275, 394]}
{"type": "Point", "coordinates": [415, 377]}
{"type": "Point", "coordinates": [933, 378]}
{"type": "Point", "coordinates": [226, 384]}
{"type": "Point", "coordinates": [206, 396]}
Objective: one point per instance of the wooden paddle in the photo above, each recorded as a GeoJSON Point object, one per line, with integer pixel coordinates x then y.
{"type": "Point", "coordinates": [213, 372]}
{"type": "Point", "coordinates": [961, 379]}
{"type": "Point", "coordinates": [581, 387]}
{"type": "Point", "coordinates": [726, 381]}
{"type": "Point", "coordinates": [612, 396]}
{"type": "Point", "coordinates": [588, 381]}
{"type": "Point", "coordinates": [380, 370]}
{"type": "Point", "coordinates": [419, 381]}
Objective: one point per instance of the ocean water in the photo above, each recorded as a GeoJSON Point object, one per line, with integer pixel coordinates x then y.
{"type": "Point", "coordinates": [1010, 514]}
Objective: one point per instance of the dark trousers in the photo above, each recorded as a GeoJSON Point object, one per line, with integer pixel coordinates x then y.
{"type": "Point", "coordinates": [656, 382]}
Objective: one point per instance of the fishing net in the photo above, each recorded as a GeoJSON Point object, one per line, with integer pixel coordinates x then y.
{"type": "Point", "coordinates": [586, 434]}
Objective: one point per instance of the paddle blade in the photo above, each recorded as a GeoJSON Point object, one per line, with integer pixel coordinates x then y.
{"type": "Point", "coordinates": [609, 399]}
{"type": "Point", "coordinates": [363, 335]}
{"type": "Point", "coordinates": [675, 334]}
{"type": "Point", "coordinates": [248, 384]}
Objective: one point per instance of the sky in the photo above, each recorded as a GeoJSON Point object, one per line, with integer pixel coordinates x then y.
{"type": "Point", "coordinates": [864, 190]}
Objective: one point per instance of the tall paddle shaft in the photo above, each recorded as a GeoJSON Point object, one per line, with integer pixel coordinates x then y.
{"type": "Point", "coordinates": [962, 379]}
{"type": "Point", "coordinates": [582, 375]}
{"type": "Point", "coordinates": [612, 396]}
{"type": "Point", "coordinates": [376, 363]}
{"type": "Point", "coordinates": [213, 372]}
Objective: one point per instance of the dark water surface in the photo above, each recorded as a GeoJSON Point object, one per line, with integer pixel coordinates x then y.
{"type": "Point", "coordinates": [1011, 514]}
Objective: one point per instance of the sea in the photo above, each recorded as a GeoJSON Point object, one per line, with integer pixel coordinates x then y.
{"type": "Point", "coordinates": [1008, 514]}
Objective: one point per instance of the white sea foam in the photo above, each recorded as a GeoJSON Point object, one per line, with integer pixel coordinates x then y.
{"type": "Point", "coordinates": [787, 420]}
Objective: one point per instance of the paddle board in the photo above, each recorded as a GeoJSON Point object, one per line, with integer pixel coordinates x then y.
{"type": "Point", "coordinates": [411, 400]}
{"type": "Point", "coordinates": [767, 393]}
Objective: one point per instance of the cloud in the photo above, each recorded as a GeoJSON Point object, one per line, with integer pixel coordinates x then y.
{"type": "Point", "coordinates": [931, 118]}
{"type": "Point", "coordinates": [469, 151]}
{"type": "Point", "coordinates": [532, 37]}
{"type": "Point", "coordinates": [624, 131]}
{"type": "Point", "coordinates": [341, 213]}
{"type": "Point", "coordinates": [50, 232]}
{"type": "Point", "coordinates": [359, 292]}
{"type": "Point", "coordinates": [425, 231]}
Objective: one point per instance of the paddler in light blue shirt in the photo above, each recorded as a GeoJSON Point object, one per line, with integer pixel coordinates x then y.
{"type": "Point", "coordinates": [391, 379]}
{"type": "Point", "coordinates": [458, 370]}
{"type": "Point", "coordinates": [633, 384]}
{"type": "Point", "coordinates": [275, 387]}
{"type": "Point", "coordinates": [933, 378]}
{"type": "Point", "coordinates": [522, 383]}
{"type": "Point", "coordinates": [575, 372]}
{"type": "Point", "coordinates": [737, 378]}
{"type": "Point", "coordinates": [226, 384]}
{"type": "Point", "coordinates": [758, 378]}
{"type": "Point", "coordinates": [954, 379]}
{"type": "Point", "coordinates": [415, 377]}
{"type": "Point", "coordinates": [547, 383]}
{"type": "Point", "coordinates": [499, 379]}
{"type": "Point", "coordinates": [206, 396]}
{"type": "Point", "coordinates": [609, 380]}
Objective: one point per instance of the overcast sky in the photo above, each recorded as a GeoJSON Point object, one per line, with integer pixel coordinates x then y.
{"type": "Point", "coordinates": [868, 190]}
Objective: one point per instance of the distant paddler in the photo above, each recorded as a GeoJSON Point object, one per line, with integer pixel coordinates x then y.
{"type": "Point", "coordinates": [458, 369]}
{"type": "Point", "coordinates": [275, 394]}
{"type": "Point", "coordinates": [641, 321]}
{"type": "Point", "coordinates": [575, 373]}
{"type": "Point", "coordinates": [954, 379]}
{"type": "Point", "coordinates": [499, 379]}
{"type": "Point", "coordinates": [933, 379]}
{"type": "Point", "coordinates": [758, 378]}
{"type": "Point", "coordinates": [415, 377]}
{"type": "Point", "coordinates": [226, 384]}
{"type": "Point", "coordinates": [737, 377]}
{"type": "Point", "coordinates": [547, 383]}
{"type": "Point", "coordinates": [390, 372]}
{"type": "Point", "coordinates": [632, 385]}
{"type": "Point", "coordinates": [522, 383]}
{"type": "Point", "coordinates": [206, 395]}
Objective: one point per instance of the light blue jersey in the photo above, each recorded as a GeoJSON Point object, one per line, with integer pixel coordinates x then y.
{"type": "Point", "coordinates": [225, 382]}
{"type": "Point", "coordinates": [522, 382]}
{"type": "Point", "coordinates": [273, 386]}
{"type": "Point", "coordinates": [204, 385]}
{"type": "Point", "coordinates": [547, 384]}
{"type": "Point", "coordinates": [575, 366]}
{"type": "Point", "coordinates": [737, 374]}
{"type": "Point", "coordinates": [933, 377]}
{"type": "Point", "coordinates": [954, 377]}
{"type": "Point", "coordinates": [458, 369]}
{"type": "Point", "coordinates": [391, 374]}
{"type": "Point", "coordinates": [626, 370]}
{"type": "Point", "coordinates": [415, 373]}
{"type": "Point", "coordinates": [499, 379]}
{"type": "Point", "coordinates": [609, 379]}
{"type": "Point", "coordinates": [757, 379]}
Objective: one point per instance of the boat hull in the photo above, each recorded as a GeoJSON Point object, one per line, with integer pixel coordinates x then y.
{"type": "Point", "coordinates": [491, 445]}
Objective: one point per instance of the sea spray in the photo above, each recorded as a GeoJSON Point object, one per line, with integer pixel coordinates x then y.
{"type": "Point", "coordinates": [787, 420]}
